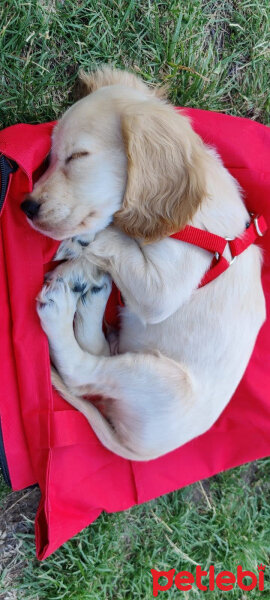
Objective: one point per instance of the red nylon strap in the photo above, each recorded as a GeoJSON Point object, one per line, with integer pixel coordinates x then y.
{"type": "Point", "coordinates": [202, 239]}
{"type": "Point", "coordinates": [217, 244]}
{"type": "Point", "coordinates": [217, 267]}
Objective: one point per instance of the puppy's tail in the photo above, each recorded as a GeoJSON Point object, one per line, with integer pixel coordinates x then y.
{"type": "Point", "coordinates": [99, 424]}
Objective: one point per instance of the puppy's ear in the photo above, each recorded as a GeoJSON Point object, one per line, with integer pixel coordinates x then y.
{"type": "Point", "coordinates": [106, 75]}
{"type": "Point", "coordinates": [166, 171]}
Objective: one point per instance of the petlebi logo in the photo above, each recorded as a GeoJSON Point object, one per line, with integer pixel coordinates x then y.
{"type": "Point", "coordinates": [224, 580]}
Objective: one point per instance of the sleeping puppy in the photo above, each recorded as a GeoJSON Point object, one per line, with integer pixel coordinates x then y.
{"type": "Point", "coordinates": [126, 172]}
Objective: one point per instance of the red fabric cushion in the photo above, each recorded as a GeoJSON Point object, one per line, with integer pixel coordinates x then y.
{"type": "Point", "coordinates": [45, 439]}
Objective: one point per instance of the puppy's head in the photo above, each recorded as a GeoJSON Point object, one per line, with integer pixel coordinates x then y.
{"type": "Point", "coordinates": [119, 153]}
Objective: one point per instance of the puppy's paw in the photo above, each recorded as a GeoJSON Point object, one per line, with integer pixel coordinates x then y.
{"type": "Point", "coordinates": [73, 247]}
{"type": "Point", "coordinates": [97, 292]}
{"type": "Point", "coordinates": [56, 306]}
{"type": "Point", "coordinates": [72, 286]}
{"type": "Point", "coordinates": [77, 274]}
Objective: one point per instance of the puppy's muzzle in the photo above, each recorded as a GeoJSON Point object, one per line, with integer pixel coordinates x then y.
{"type": "Point", "coordinates": [30, 208]}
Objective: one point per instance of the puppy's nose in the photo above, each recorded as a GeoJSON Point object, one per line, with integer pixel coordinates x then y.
{"type": "Point", "coordinates": [30, 208]}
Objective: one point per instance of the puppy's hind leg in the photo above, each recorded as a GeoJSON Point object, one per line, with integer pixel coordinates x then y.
{"type": "Point", "coordinates": [89, 317]}
{"type": "Point", "coordinates": [148, 403]}
{"type": "Point", "coordinates": [149, 400]}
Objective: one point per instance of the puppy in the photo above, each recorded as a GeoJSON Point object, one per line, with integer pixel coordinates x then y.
{"type": "Point", "coordinates": [126, 172]}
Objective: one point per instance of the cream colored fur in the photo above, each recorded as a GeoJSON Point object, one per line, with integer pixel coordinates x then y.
{"type": "Point", "coordinates": [126, 171]}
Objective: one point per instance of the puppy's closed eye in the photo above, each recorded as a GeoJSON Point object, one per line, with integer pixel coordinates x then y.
{"type": "Point", "coordinates": [76, 155]}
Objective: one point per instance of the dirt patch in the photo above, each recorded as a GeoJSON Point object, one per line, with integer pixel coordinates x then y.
{"type": "Point", "coordinates": [17, 514]}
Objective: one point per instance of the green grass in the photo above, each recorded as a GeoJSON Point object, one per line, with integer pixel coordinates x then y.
{"type": "Point", "coordinates": [4, 489]}
{"type": "Point", "coordinates": [213, 55]}
{"type": "Point", "coordinates": [224, 522]}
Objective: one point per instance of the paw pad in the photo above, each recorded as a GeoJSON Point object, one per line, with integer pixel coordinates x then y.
{"type": "Point", "coordinates": [44, 303]}
{"type": "Point", "coordinates": [79, 287]}
{"type": "Point", "coordinates": [95, 289]}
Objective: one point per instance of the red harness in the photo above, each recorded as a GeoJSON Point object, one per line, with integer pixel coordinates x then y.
{"type": "Point", "coordinates": [217, 244]}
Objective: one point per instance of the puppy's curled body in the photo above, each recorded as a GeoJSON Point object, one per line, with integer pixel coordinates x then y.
{"type": "Point", "coordinates": [129, 179]}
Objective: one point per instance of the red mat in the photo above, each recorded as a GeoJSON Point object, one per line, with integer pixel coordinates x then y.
{"type": "Point", "coordinates": [45, 439]}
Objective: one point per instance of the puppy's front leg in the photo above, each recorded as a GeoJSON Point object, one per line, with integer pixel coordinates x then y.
{"type": "Point", "coordinates": [113, 251]}
{"type": "Point", "coordinates": [89, 318]}
{"type": "Point", "coordinates": [56, 306]}
{"type": "Point", "coordinates": [154, 279]}
{"type": "Point", "coordinates": [74, 298]}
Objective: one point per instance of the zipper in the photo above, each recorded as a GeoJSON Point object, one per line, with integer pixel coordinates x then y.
{"type": "Point", "coordinates": [7, 166]}
{"type": "Point", "coordinates": [3, 459]}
